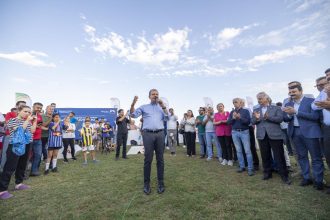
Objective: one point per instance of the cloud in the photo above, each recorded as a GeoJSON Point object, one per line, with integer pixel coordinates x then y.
{"type": "Point", "coordinates": [162, 48]}
{"type": "Point", "coordinates": [280, 55]}
{"type": "Point", "coordinates": [77, 49]}
{"type": "Point", "coordinates": [224, 38]}
{"type": "Point", "coordinates": [21, 80]}
{"type": "Point", "coordinates": [306, 4]}
{"type": "Point", "coordinates": [32, 58]}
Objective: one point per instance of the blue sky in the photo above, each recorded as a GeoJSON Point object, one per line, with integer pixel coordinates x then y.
{"type": "Point", "coordinates": [82, 53]}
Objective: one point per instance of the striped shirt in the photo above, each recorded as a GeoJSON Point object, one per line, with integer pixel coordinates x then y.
{"type": "Point", "coordinates": [55, 136]}
{"type": "Point", "coordinates": [14, 123]}
{"type": "Point", "coordinates": [87, 137]}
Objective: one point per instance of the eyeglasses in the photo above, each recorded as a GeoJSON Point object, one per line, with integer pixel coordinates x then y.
{"type": "Point", "coordinates": [321, 84]}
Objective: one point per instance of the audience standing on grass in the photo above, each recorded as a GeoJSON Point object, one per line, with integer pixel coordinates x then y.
{"type": "Point", "coordinates": [189, 122]}
{"type": "Point", "coordinates": [17, 162]}
{"type": "Point", "coordinates": [299, 127]}
{"type": "Point", "coordinates": [122, 122]}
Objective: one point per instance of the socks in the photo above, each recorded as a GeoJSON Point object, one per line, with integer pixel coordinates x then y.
{"type": "Point", "coordinates": [47, 166]}
{"type": "Point", "coordinates": [54, 163]}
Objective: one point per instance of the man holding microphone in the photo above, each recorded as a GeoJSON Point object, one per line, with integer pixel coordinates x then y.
{"type": "Point", "coordinates": [153, 115]}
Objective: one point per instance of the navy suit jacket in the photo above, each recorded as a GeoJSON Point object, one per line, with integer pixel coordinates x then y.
{"type": "Point", "coordinates": [307, 117]}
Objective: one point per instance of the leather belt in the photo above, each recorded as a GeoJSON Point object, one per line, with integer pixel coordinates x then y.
{"type": "Point", "coordinates": [153, 131]}
{"type": "Point", "coordinates": [240, 129]}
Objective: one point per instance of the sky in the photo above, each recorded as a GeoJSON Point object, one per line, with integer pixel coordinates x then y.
{"type": "Point", "coordinates": [83, 53]}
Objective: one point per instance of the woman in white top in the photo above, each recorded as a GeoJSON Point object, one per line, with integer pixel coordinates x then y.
{"type": "Point", "coordinates": [68, 137]}
{"type": "Point", "coordinates": [190, 133]}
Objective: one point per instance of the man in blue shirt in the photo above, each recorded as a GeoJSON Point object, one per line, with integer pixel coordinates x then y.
{"type": "Point", "coordinates": [240, 119]}
{"type": "Point", "coordinates": [153, 115]}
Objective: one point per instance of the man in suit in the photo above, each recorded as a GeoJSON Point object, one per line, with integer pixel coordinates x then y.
{"type": "Point", "coordinates": [304, 128]}
{"type": "Point", "coordinates": [268, 118]}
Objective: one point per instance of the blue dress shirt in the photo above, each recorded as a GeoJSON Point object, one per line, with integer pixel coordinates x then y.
{"type": "Point", "coordinates": [153, 116]}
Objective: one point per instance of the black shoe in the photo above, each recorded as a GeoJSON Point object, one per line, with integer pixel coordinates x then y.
{"type": "Point", "coordinates": [256, 167]}
{"type": "Point", "coordinates": [74, 158]}
{"type": "Point", "coordinates": [54, 170]}
{"type": "Point", "coordinates": [147, 189]}
{"type": "Point", "coordinates": [125, 157]}
{"type": "Point", "coordinates": [161, 189]}
{"type": "Point", "coordinates": [286, 180]}
{"type": "Point", "coordinates": [267, 176]}
{"type": "Point", "coordinates": [290, 169]}
{"type": "Point", "coordinates": [46, 172]}
{"type": "Point", "coordinates": [202, 156]}
{"type": "Point", "coordinates": [35, 174]}
{"type": "Point", "coordinates": [65, 160]}
{"type": "Point", "coordinates": [306, 182]}
{"type": "Point", "coordinates": [240, 170]}
{"type": "Point", "coordinates": [117, 158]}
{"type": "Point", "coordinates": [319, 186]}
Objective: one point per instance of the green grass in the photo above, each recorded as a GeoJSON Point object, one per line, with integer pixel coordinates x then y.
{"type": "Point", "coordinates": [195, 189]}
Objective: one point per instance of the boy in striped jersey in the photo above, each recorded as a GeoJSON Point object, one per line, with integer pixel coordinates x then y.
{"type": "Point", "coordinates": [87, 141]}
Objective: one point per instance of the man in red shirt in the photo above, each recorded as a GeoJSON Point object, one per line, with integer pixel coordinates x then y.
{"type": "Point", "coordinates": [36, 144]}
{"type": "Point", "coordinates": [5, 141]}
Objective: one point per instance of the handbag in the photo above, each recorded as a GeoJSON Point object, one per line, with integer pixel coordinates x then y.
{"type": "Point", "coordinates": [21, 137]}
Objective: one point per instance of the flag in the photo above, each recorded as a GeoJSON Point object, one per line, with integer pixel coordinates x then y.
{"type": "Point", "coordinates": [23, 97]}
{"type": "Point", "coordinates": [114, 103]}
{"type": "Point", "coordinates": [165, 101]}
{"type": "Point", "coordinates": [208, 102]}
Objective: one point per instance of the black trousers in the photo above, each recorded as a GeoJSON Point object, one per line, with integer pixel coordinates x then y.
{"type": "Point", "coordinates": [121, 140]}
{"type": "Point", "coordinates": [268, 145]}
{"type": "Point", "coordinates": [225, 142]}
{"type": "Point", "coordinates": [66, 143]}
{"type": "Point", "coordinates": [13, 164]}
{"type": "Point", "coordinates": [153, 142]}
{"type": "Point", "coordinates": [287, 141]}
{"type": "Point", "coordinates": [326, 143]}
{"type": "Point", "coordinates": [44, 141]}
{"type": "Point", "coordinates": [191, 143]}
{"type": "Point", "coordinates": [253, 147]}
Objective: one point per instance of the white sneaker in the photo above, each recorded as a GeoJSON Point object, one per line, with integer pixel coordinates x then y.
{"type": "Point", "coordinates": [209, 159]}
{"type": "Point", "coordinates": [167, 148]}
{"type": "Point", "coordinates": [220, 159]}
{"type": "Point", "coordinates": [230, 163]}
{"type": "Point", "coordinates": [184, 146]}
{"type": "Point", "coordinates": [224, 162]}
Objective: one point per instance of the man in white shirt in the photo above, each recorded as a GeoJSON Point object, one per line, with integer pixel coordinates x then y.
{"type": "Point", "coordinates": [172, 131]}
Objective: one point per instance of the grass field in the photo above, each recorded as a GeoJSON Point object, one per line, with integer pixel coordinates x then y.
{"type": "Point", "coordinates": [195, 189]}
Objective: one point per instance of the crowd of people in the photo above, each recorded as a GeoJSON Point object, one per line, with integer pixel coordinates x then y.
{"type": "Point", "coordinates": [300, 126]}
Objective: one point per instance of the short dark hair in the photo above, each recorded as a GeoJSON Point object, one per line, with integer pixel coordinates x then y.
{"type": "Point", "coordinates": [279, 104]}
{"type": "Point", "coordinates": [73, 113]}
{"type": "Point", "coordinates": [202, 108]}
{"type": "Point", "coordinates": [55, 115]}
{"type": "Point", "coordinates": [151, 90]}
{"type": "Point", "coordinates": [19, 102]}
{"type": "Point", "coordinates": [120, 110]}
{"type": "Point", "coordinates": [327, 70]}
{"type": "Point", "coordinates": [37, 103]}
{"type": "Point", "coordinates": [294, 82]}
{"type": "Point", "coordinates": [320, 78]}
{"type": "Point", "coordinates": [53, 103]}
{"type": "Point", "coordinates": [22, 107]}
{"type": "Point", "coordinates": [13, 109]}
{"type": "Point", "coordinates": [296, 86]}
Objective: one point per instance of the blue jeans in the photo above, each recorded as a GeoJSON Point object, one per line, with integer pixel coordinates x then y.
{"type": "Point", "coordinates": [209, 137]}
{"type": "Point", "coordinates": [239, 138]}
{"type": "Point", "coordinates": [36, 149]}
{"type": "Point", "coordinates": [5, 142]}
{"type": "Point", "coordinates": [311, 145]}
{"type": "Point", "coordinates": [202, 140]}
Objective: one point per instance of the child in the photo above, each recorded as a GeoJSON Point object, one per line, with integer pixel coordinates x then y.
{"type": "Point", "coordinates": [54, 142]}
{"type": "Point", "coordinates": [87, 141]}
